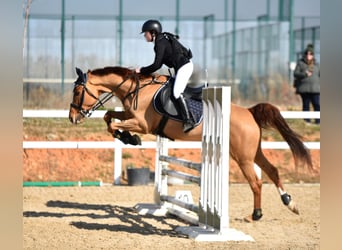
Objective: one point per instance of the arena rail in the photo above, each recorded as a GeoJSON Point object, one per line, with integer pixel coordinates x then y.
{"type": "Point", "coordinates": [118, 146]}
{"type": "Point", "coordinates": [57, 113]}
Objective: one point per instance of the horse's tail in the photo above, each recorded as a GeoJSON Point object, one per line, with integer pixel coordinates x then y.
{"type": "Point", "coordinates": [267, 115]}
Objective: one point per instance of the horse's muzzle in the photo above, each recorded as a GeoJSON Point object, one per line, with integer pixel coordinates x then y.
{"type": "Point", "coordinates": [75, 118]}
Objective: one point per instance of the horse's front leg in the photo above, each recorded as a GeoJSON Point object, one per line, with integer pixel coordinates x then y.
{"type": "Point", "coordinates": [131, 124]}
{"type": "Point", "coordinates": [125, 126]}
{"type": "Point", "coordinates": [120, 115]}
{"type": "Point", "coordinates": [123, 136]}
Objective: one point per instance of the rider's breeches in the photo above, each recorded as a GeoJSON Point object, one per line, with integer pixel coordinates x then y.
{"type": "Point", "coordinates": [182, 77]}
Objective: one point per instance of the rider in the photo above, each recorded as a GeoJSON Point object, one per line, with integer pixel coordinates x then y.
{"type": "Point", "coordinates": [173, 57]}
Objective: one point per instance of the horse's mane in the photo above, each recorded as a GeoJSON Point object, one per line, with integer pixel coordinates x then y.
{"type": "Point", "coordinates": [112, 70]}
{"type": "Point", "coordinates": [122, 71]}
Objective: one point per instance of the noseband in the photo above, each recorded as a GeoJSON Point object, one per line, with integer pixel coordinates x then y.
{"type": "Point", "coordinates": [78, 107]}
{"type": "Point", "coordinates": [99, 103]}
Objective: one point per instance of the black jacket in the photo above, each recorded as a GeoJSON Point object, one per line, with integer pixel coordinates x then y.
{"type": "Point", "coordinates": [165, 54]}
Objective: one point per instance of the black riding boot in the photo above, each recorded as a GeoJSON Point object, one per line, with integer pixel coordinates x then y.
{"type": "Point", "coordinates": [188, 122]}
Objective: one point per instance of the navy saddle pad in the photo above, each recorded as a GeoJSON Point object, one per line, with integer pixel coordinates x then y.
{"type": "Point", "coordinates": [164, 102]}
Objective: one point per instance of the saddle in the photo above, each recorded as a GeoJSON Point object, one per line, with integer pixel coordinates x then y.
{"type": "Point", "coordinates": [165, 104]}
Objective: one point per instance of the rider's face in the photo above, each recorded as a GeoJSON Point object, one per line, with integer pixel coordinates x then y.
{"type": "Point", "coordinates": [148, 36]}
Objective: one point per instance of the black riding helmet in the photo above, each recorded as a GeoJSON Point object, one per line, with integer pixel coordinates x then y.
{"type": "Point", "coordinates": [152, 25]}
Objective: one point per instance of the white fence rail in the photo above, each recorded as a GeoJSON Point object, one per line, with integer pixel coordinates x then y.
{"type": "Point", "coordinates": [118, 145]}
{"type": "Point", "coordinates": [56, 113]}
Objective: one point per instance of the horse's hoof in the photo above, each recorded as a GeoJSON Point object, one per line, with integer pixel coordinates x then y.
{"type": "Point", "coordinates": [293, 207]}
{"type": "Point", "coordinates": [135, 140]}
{"type": "Point", "coordinates": [117, 134]}
{"type": "Point", "coordinates": [126, 140]}
{"type": "Point", "coordinates": [257, 214]}
{"type": "Point", "coordinates": [286, 198]}
{"type": "Point", "coordinates": [125, 137]}
{"type": "Point", "coordinates": [248, 219]}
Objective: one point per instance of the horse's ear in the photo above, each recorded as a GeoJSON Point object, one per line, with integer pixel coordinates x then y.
{"type": "Point", "coordinates": [82, 77]}
{"type": "Point", "coordinates": [79, 72]}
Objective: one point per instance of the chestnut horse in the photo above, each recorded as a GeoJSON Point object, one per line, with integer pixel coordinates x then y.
{"type": "Point", "coordinates": [136, 93]}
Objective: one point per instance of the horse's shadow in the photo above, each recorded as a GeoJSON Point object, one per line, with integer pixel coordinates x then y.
{"type": "Point", "coordinates": [132, 222]}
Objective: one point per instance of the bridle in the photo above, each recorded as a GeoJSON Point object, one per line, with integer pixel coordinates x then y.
{"type": "Point", "coordinates": [99, 102]}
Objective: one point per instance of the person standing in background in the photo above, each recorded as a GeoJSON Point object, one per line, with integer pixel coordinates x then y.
{"type": "Point", "coordinates": [307, 81]}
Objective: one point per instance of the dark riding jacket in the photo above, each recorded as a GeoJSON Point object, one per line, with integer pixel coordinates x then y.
{"type": "Point", "coordinates": [303, 82]}
{"type": "Point", "coordinates": [165, 54]}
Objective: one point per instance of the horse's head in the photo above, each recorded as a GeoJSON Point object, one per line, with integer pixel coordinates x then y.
{"type": "Point", "coordinates": [84, 98]}
{"type": "Point", "coordinates": [122, 82]}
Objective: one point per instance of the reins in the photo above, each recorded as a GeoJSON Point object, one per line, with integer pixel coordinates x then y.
{"type": "Point", "coordinates": [107, 97]}
{"type": "Point", "coordinates": [135, 91]}
{"type": "Point", "coordinates": [138, 87]}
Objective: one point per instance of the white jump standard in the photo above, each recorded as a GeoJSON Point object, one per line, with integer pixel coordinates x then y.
{"type": "Point", "coordinates": [212, 212]}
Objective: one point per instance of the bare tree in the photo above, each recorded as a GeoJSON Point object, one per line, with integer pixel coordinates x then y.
{"type": "Point", "coordinates": [26, 7]}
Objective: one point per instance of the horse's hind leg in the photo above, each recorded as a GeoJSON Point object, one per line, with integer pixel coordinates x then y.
{"type": "Point", "coordinates": [272, 173]}
{"type": "Point", "coordinates": [247, 168]}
